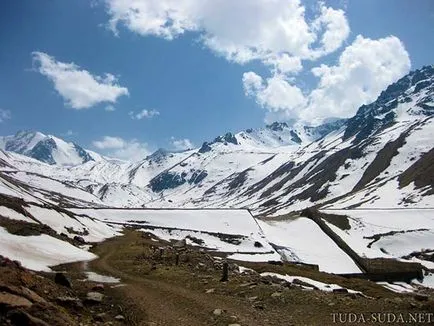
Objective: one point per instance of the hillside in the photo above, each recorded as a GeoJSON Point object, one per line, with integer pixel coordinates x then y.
{"type": "Point", "coordinates": [385, 148]}
{"type": "Point", "coordinates": [370, 176]}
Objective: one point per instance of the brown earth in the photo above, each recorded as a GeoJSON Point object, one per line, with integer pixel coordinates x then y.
{"type": "Point", "coordinates": [156, 291]}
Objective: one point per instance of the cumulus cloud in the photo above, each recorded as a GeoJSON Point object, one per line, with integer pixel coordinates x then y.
{"type": "Point", "coordinates": [78, 87]}
{"type": "Point", "coordinates": [117, 147]}
{"type": "Point", "coordinates": [334, 28]}
{"type": "Point", "coordinates": [277, 94]}
{"type": "Point", "coordinates": [4, 115]}
{"type": "Point", "coordinates": [364, 69]}
{"type": "Point", "coordinates": [181, 144]}
{"type": "Point", "coordinates": [282, 35]}
{"type": "Point", "coordinates": [109, 108]}
{"type": "Point", "coordinates": [108, 142]}
{"type": "Point", "coordinates": [144, 114]}
{"type": "Point", "coordinates": [284, 64]}
{"type": "Point", "coordinates": [241, 30]}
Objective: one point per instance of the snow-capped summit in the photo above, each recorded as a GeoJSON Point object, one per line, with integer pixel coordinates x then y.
{"type": "Point", "coordinates": [409, 98]}
{"type": "Point", "coordinates": [283, 133]}
{"type": "Point", "coordinates": [45, 148]}
{"type": "Point", "coordinates": [385, 148]}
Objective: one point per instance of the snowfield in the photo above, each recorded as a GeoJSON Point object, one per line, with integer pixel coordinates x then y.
{"type": "Point", "coordinates": [400, 232]}
{"type": "Point", "coordinates": [301, 240]}
{"type": "Point", "coordinates": [40, 252]}
{"type": "Point", "coordinates": [226, 230]}
{"type": "Point", "coordinates": [228, 221]}
{"type": "Point", "coordinates": [326, 287]}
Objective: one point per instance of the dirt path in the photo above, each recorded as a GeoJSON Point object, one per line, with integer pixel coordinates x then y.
{"type": "Point", "coordinates": [157, 302]}
{"type": "Point", "coordinates": [158, 292]}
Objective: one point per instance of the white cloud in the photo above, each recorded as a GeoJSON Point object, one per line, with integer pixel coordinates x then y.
{"type": "Point", "coordinates": [4, 115]}
{"type": "Point", "coordinates": [335, 30]}
{"type": "Point", "coordinates": [252, 83]}
{"type": "Point", "coordinates": [78, 87]}
{"type": "Point", "coordinates": [284, 64]}
{"type": "Point", "coordinates": [109, 142]}
{"type": "Point", "coordinates": [148, 114]}
{"type": "Point", "coordinates": [364, 69]}
{"type": "Point", "coordinates": [181, 144]}
{"type": "Point", "coordinates": [241, 30]}
{"type": "Point", "coordinates": [110, 108]}
{"type": "Point", "coordinates": [276, 93]}
{"type": "Point", "coordinates": [280, 34]}
{"type": "Point", "coordinates": [120, 148]}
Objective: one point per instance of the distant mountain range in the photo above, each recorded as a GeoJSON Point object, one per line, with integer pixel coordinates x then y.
{"type": "Point", "coordinates": [381, 157]}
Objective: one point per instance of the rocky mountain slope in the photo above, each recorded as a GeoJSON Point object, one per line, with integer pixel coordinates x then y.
{"type": "Point", "coordinates": [375, 170]}
{"type": "Point", "coordinates": [48, 149]}
{"type": "Point", "coordinates": [380, 158]}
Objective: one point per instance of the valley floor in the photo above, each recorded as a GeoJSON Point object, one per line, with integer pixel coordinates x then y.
{"type": "Point", "coordinates": [156, 291]}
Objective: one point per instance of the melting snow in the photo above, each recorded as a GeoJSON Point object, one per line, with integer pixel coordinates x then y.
{"type": "Point", "coordinates": [40, 252]}
{"type": "Point", "coordinates": [320, 285]}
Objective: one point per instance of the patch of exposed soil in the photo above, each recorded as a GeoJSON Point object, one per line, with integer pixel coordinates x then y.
{"type": "Point", "coordinates": [160, 292]}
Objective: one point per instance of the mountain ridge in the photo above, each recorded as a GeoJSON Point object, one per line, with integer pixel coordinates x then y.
{"type": "Point", "coordinates": [271, 170]}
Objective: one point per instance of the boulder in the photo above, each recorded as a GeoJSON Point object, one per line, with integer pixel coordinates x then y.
{"type": "Point", "coordinates": [217, 312]}
{"type": "Point", "coordinates": [98, 288]}
{"type": "Point", "coordinates": [100, 317]}
{"type": "Point", "coordinates": [12, 301]}
{"type": "Point", "coordinates": [21, 318]}
{"type": "Point", "coordinates": [69, 302]}
{"type": "Point", "coordinates": [23, 292]}
{"type": "Point", "coordinates": [94, 297]}
{"type": "Point", "coordinates": [79, 239]}
{"type": "Point", "coordinates": [421, 297]}
{"type": "Point", "coordinates": [61, 279]}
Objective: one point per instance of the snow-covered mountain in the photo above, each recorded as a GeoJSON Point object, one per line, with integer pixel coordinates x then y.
{"type": "Point", "coordinates": [381, 157]}
{"type": "Point", "coordinates": [377, 168]}
{"type": "Point", "coordinates": [48, 149]}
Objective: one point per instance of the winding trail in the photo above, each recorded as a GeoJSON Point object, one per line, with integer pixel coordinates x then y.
{"type": "Point", "coordinates": [157, 302]}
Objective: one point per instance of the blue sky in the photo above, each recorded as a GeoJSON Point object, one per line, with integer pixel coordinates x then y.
{"type": "Point", "coordinates": [182, 79]}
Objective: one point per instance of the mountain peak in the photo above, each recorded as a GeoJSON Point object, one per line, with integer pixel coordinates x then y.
{"type": "Point", "coordinates": [159, 155]}
{"type": "Point", "coordinates": [226, 138]}
{"type": "Point", "coordinates": [277, 126]}
{"type": "Point", "coordinates": [411, 95]}
{"type": "Point", "coordinates": [48, 149]}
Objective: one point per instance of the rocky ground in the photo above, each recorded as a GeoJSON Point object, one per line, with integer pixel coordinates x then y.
{"type": "Point", "coordinates": [166, 283]}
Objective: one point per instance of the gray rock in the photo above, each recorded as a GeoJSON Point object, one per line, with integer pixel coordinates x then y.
{"type": "Point", "coordinates": [98, 288]}
{"type": "Point", "coordinates": [100, 317]}
{"type": "Point", "coordinates": [19, 317]}
{"type": "Point", "coordinates": [12, 301]}
{"type": "Point", "coordinates": [61, 279]}
{"type": "Point", "coordinates": [94, 297]}
{"type": "Point", "coordinates": [421, 297]}
{"type": "Point", "coordinates": [217, 312]}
